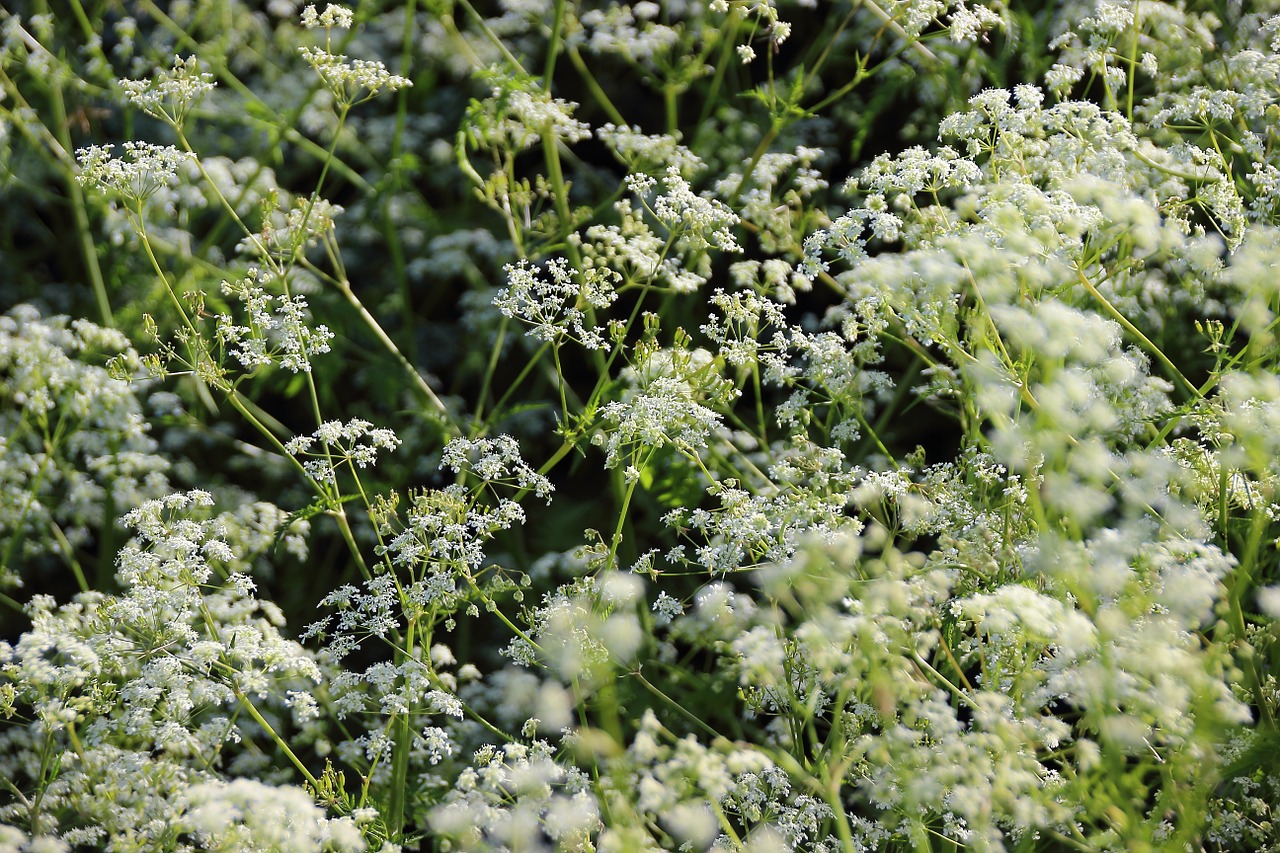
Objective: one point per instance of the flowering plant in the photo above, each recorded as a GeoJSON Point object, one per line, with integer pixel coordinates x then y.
{"type": "Point", "coordinates": [721, 426]}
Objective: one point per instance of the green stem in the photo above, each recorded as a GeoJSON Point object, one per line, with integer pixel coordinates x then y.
{"type": "Point", "coordinates": [529, 366]}
{"type": "Point", "coordinates": [623, 519]}
{"type": "Point", "coordinates": [1137, 333]}
{"type": "Point", "coordinates": [560, 190]}
{"type": "Point", "coordinates": [728, 38]}
{"type": "Point", "coordinates": [400, 760]}
{"type": "Point", "coordinates": [684, 712]}
{"type": "Point", "coordinates": [280, 742]}
{"type": "Point", "coordinates": [84, 236]}
{"type": "Point", "coordinates": [761, 149]}
{"type": "Point", "coordinates": [385, 339]}
{"type": "Point", "coordinates": [553, 45]}
{"type": "Point", "coordinates": [477, 423]}
{"type": "Point", "coordinates": [597, 92]}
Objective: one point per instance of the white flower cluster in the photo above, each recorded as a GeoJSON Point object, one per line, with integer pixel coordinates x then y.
{"type": "Point", "coordinates": [673, 398]}
{"type": "Point", "coordinates": [650, 153]}
{"type": "Point", "coordinates": [495, 462]}
{"type": "Point", "coordinates": [355, 444]}
{"type": "Point", "coordinates": [633, 30]}
{"type": "Point", "coordinates": [518, 795]}
{"type": "Point", "coordinates": [695, 221]}
{"type": "Point", "coordinates": [74, 438]}
{"type": "Point", "coordinates": [165, 668]}
{"type": "Point", "coordinates": [555, 305]}
{"type": "Point", "coordinates": [519, 113]}
{"type": "Point", "coordinates": [247, 815]}
{"type": "Point", "coordinates": [686, 789]}
{"type": "Point", "coordinates": [349, 81]}
{"type": "Point", "coordinates": [352, 81]}
{"type": "Point", "coordinates": [170, 95]}
{"type": "Point", "coordinates": [777, 197]}
{"type": "Point", "coordinates": [278, 331]}
{"type": "Point", "coordinates": [144, 172]}
{"type": "Point", "coordinates": [284, 235]}
{"type": "Point", "coordinates": [445, 530]}
{"type": "Point", "coordinates": [632, 249]}
{"type": "Point", "coordinates": [332, 16]}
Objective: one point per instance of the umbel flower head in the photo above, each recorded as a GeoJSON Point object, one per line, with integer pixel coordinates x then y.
{"type": "Point", "coordinates": [170, 95]}
{"type": "Point", "coordinates": [351, 81]}
{"type": "Point", "coordinates": [145, 170]}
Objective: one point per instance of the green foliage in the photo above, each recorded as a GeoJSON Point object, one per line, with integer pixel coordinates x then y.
{"type": "Point", "coordinates": [701, 426]}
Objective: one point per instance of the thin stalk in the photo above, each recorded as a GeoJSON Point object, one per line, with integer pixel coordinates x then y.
{"type": "Point", "coordinates": [560, 190]}
{"type": "Point", "coordinates": [761, 149]}
{"type": "Point", "coordinates": [623, 519]}
{"type": "Point", "coordinates": [728, 39]}
{"type": "Point", "coordinates": [70, 555]}
{"type": "Point", "coordinates": [486, 383]}
{"type": "Point", "coordinates": [553, 44]}
{"type": "Point", "coordinates": [593, 85]}
{"type": "Point", "coordinates": [374, 326]}
{"type": "Point", "coordinates": [1137, 333]}
{"type": "Point", "coordinates": [280, 742]}
{"type": "Point", "coordinates": [684, 712]}
{"type": "Point", "coordinates": [400, 760]}
{"type": "Point", "coordinates": [84, 237]}
{"type": "Point", "coordinates": [524, 373]}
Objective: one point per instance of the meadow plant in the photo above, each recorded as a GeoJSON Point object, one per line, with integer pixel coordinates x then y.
{"type": "Point", "coordinates": [581, 426]}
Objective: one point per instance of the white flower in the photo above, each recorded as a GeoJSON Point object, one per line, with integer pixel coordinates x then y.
{"type": "Point", "coordinates": [352, 81]}
{"type": "Point", "coordinates": [147, 170]}
{"type": "Point", "coordinates": [171, 94]}
{"type": "Point", "coordinates": [332, 16]}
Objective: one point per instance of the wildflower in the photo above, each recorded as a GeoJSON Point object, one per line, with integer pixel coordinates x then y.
{"type": "Point", "coordinates": [332, 16]}
{"type": "Point", "coordinates": [352, 81]}
{"type": "Point", "coordinates": [277, 330]}
{"type": "Point", "coordinates": [556, 305]}
{"type": "Point", "coordinates": [355, 443]}
{"type": "Point", "coordinates": [232, 815]}
{"type": "Point", "coordinates": [148, 170]}
{"type": "Point", "coordinates": [170, 95]}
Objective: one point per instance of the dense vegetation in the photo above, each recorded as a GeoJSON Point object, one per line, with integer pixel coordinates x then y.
{"type": "Point", "coordinates": [656, 426]}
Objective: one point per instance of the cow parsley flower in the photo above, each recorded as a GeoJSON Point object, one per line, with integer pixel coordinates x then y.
{"type": "Point", "coordinates": [143, 172]}
{"type": "Point", "coordinates": [695, 220]}
{"type": "Point", "coordinates": [666, 404]}
{"type": "Point", "coordinates": [355, 443]}
{"type": "Point", "coordinates": [247, 814]}
{"type": "Point", "coordinates": [170, 95]}
{"type": "Point", "coordinates": [555, 301]}
{"type": "Point", "coordinates": [494, 462]}
{"type": "Point", "coordinates": [352, 81]}
{"type": "Point", "coordinates": [332, 16]}
{"type": "Point", "coordinates": [75, 440]}
{"type": "Point", "coordinates": [278, 331]}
